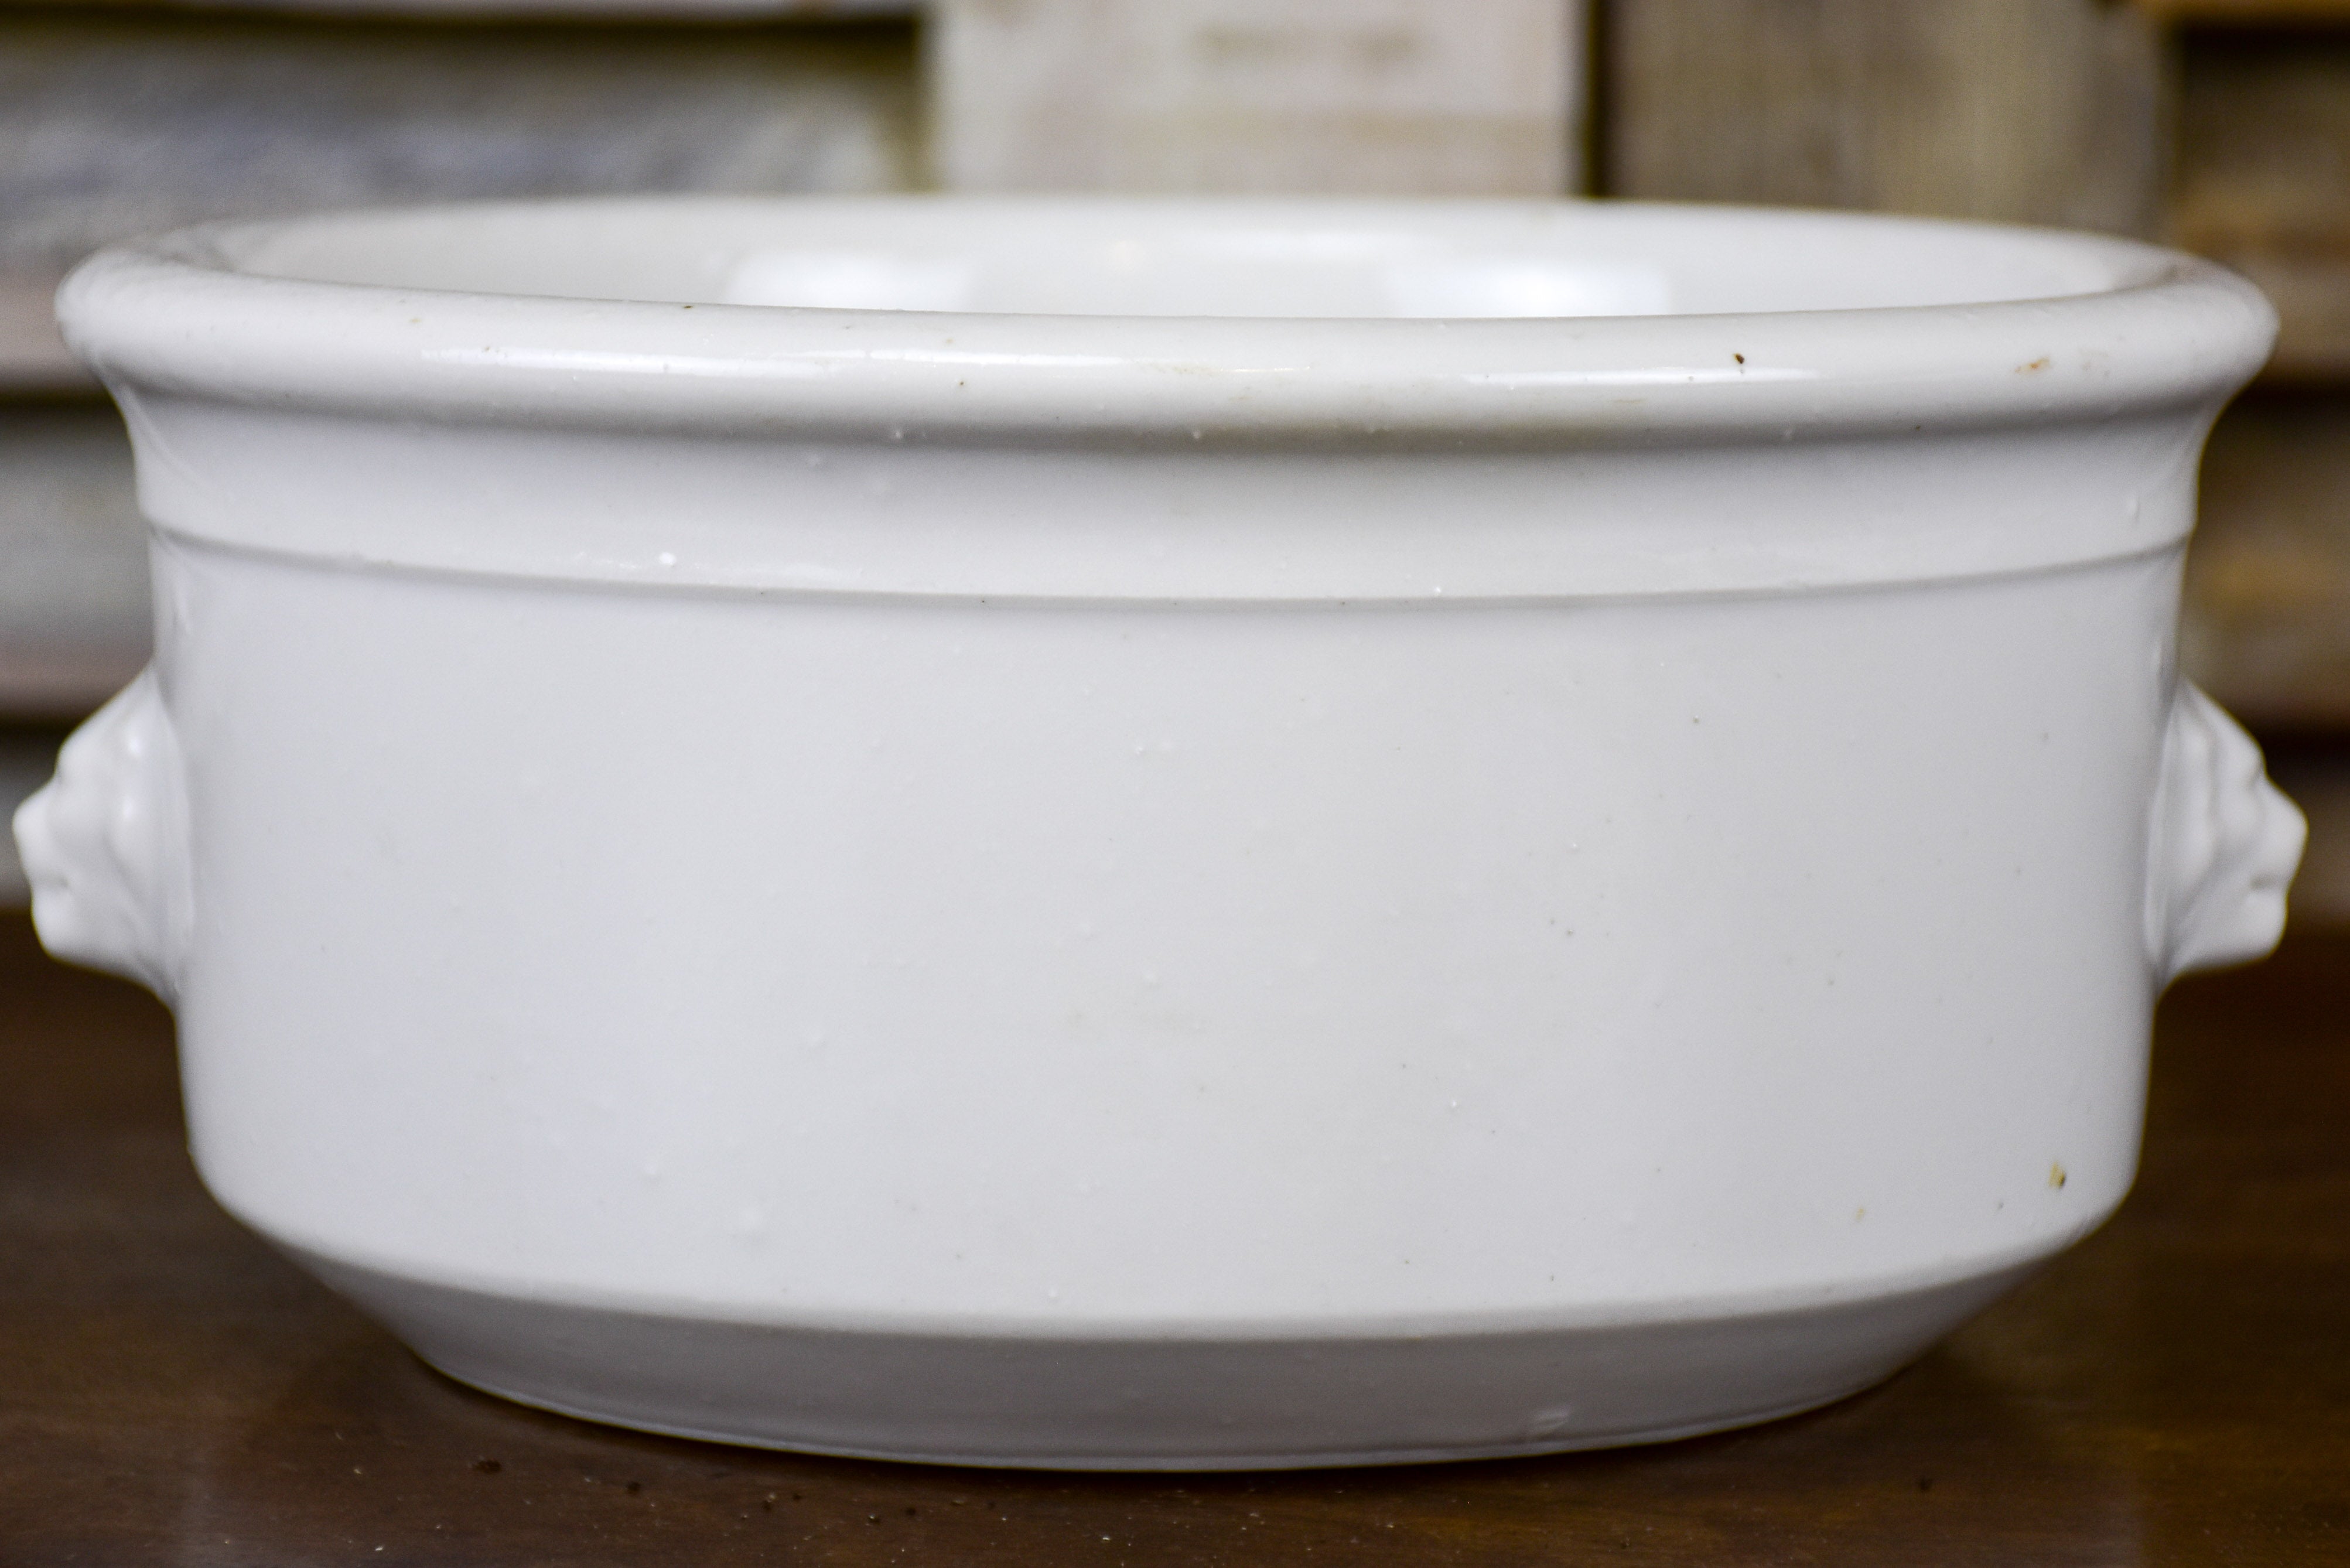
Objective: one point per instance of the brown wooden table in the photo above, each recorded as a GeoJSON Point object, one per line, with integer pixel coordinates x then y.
{"type": "Point", "coordinates": [2177, 1390]}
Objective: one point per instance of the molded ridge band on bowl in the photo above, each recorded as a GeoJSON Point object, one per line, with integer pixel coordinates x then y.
{"type": "Point", "coordinates": [1161, 1404]}
{"type": "Point", "coordinates": [769, 517]}
{"type": "Point", "coordinates": [177, 315]}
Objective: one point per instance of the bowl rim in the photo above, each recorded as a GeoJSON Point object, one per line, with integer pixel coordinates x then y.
{"type": "Point", "coordinates": [181, 316]}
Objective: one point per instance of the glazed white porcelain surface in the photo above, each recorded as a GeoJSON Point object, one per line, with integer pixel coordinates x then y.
{"type": "Point", "coordinates": [1241, 834]}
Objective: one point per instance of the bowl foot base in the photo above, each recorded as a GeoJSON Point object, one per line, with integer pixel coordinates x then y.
{"type": "Point", "coordinates": [1158, 1404]}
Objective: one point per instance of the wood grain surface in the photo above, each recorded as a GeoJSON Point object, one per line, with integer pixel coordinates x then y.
{"type": "Point", "coordinates": [119, 120]}
{"type": "Point", "coordinates": [2176, 1391]}
{"type": "Point", "coordinates": [2043, 111]}
{"type": "Point", "coordinates": [2262, 179]}
{"type": "Point", "coordinates": [2267, 615]}
{"type": "Point", "coordinates": [1324, 96]}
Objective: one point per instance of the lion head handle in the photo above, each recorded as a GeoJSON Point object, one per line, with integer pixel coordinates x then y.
{"type": "Point", "coordinates": [2225, 844]}
{"type": "Point", "coordinates": [105, 844]}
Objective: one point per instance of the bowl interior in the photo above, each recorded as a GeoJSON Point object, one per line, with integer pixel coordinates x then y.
{"type": "Point", "coordinates": [1446, 260]}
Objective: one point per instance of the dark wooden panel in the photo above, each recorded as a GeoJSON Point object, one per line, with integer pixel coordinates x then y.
{"type": "Point", "coordinates": [2263, 178]}
{"type": "Point", "coordinates": [115, 123]}
{"type": "Point", "coordinates": [2315, 772]}
{"type": "Point", "coordinates": [2034, 110]}
{"type": "Point", "coordinates": [1331, 97]}
{"type": "Point", "coordinates": [2176, 1391]}
{"type": "Point", "coordinates": [74, 616]}
{"type": "Point", "coordinates": [2257, 12]}
{"type": "Point", "coordinates": [2267, 628]}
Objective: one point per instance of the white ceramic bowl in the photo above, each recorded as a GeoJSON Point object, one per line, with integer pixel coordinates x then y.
{"type": "Point", "coordinates": [1251, 834]}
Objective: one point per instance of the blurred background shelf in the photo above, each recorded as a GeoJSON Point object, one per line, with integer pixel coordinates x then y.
{"type": "Point", "coordinates": [2031, 111]}
{"type": "Point", "coordinates": [2263, 178]}
{"type": "Point", "coordinates": [2256, 12]}
{"type": "Point", "coordinates": [1342, 96]}
{"type": "Point", "coordinates": [512, 10]}
{"type": "Point", "coordinates": [115, 122]}
{"type": "Point", "coordinates": [2220, 125]}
